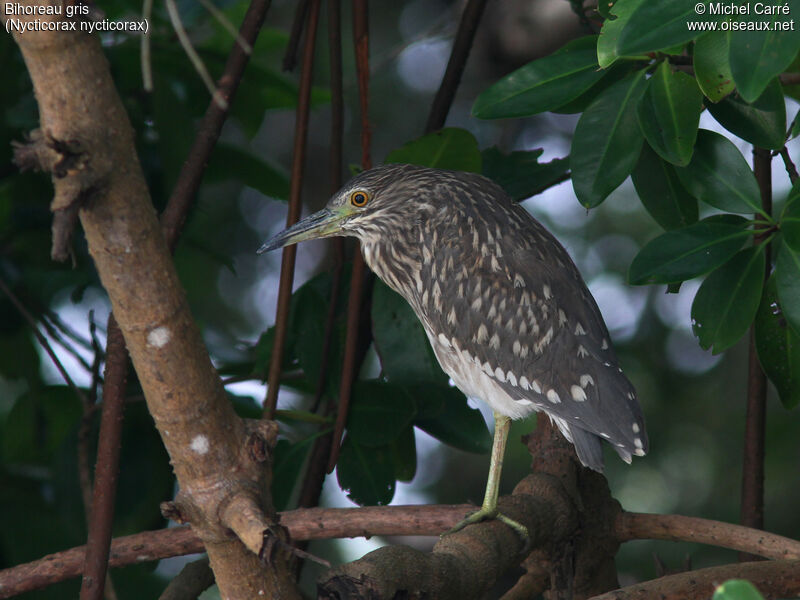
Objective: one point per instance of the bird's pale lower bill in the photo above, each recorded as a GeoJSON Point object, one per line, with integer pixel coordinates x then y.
{"type": "Point", "coordinates": [323, 223]}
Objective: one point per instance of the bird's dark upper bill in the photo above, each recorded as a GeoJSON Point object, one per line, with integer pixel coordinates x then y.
{"type": "Point", "coordinates": [320, 224]}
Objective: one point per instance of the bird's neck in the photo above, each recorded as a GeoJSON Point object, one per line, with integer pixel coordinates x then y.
{"type": "Point", "coordinates": [398, 267]}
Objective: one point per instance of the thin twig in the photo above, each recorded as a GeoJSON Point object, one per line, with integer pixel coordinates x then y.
{"type": "Point", "coordinates": [144, 49]}
{"type": "Point", "coordinates": [298, 23]}
{"type": "Point", "coordinates": [58, 338]}
{"type": "Point", "coordinates": [210, 127]}
{"type": "Point", "coordinates": [227, 25]}
{"type": "Point", "coordinates": [107, 466]}
{"type": "Point", "coordinates": [357, 278]}
{"type": "Point", "coordinates": [295, 189]}
{"type": "Point", "coordinates": [42, 341]}
{"type": "Point", "coordinates": [787, 161]}
{"type": "Point", "coordinates": [455, 66]}
{"type": "Point", "coordinates": [195, 59]}
{"type": "Point", "coordinates": [752, 494]}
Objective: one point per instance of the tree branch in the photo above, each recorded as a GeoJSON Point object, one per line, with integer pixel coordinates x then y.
{"type": "Point", "coordinates": [455, 66]}
{"type": "Point", "coordinates": [677, 528]}
{"type": "Point", "coordinates": [466, 563]}
{"type": "Point", "coordinates": [296, 185]}
{"type": "Point", "coordinates": [774, 579]}
{"type": "Point", "coordinates": [96, 173]}
{"type": "Point", "coordinates": [335, 523]}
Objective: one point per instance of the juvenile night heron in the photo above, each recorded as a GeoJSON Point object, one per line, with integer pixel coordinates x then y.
{"type": "Point", "coordinates": [505, 309]}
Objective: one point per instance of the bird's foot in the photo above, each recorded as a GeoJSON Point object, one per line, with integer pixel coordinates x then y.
{"type": "Point", "coordinates": [485, 514]}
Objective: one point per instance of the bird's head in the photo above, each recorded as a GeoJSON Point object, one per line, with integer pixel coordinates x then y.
{"type": "Point", "coordinates": [373, 203]}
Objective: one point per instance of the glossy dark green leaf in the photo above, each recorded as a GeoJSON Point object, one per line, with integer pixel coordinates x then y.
{"type": "Point", "coordinates": [669, 113]}
{"type": "Point", "coordinates": [607, 141]}
{"type": "Point", "coordinates": [790, 219]}
{"type": "Point", "coordinates": [727, 301]}
{"type": "Point", "coordinates": [456, 424]}
{"type": "Point", "coordinates": [232, 163]}
{"type": "Point", "coordinates": [712, 67]}
{"type": "Point", "coordinates": [762, 123]}
{"type": "Point", "coordinates": [366, 474]}
{"type": "Point", "coordinates": [404, 452]}
{"type": "Point", "coordinates": [611, 76]}
{"type": "Point", "coordinates": [287, 466]}
{"type": "Point", "coordinates": [379, 412]}
{"type": "Point", "coordinates": [520, 174]}
{"type": "Point", "coordinates": [685, 253]}
{"type": "Point", "coordinates": [778, 347]}
{"type": "Point", "coordinates": [737, 589]}
{"type": "Point", "coordinates": [644, 26]}
{"type": "Point", "coordinates": [720, 176]}
{"type": "Point", "coordinates": [662, 192]}
{"type": "Point", "coordinates": [758, 55]}
{"type": "Point", "coordinates": [787, 278]}
{"type": "Point", "coordinates": [401, 343]}
{"type": "Point", "coordinates": [449, 148]}
{"type": "Point", "coordinates": [307, 329]}
{"type": "Point", "coordinates": [544, 84]}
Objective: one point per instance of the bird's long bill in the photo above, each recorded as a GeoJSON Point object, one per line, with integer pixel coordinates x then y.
{"type": "Point", "coordinates": [324, 223]}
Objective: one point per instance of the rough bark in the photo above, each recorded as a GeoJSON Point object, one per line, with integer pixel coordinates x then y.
{"type": "Point", "coordinates": [86, 142]}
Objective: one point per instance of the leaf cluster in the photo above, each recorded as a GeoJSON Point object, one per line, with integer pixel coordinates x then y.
{"type": "Point", "coordinates": [641, 86]}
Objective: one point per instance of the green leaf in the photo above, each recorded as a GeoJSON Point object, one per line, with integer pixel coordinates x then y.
{"type": "Point", "coordinates": [669, 113]}
{"type": "Point", "coordinates": [661, 192]}
{"type": "Point", "coordinates": [607, 141]}
{"type": "Point", "coordinates": [712, 68]}
{"type": "Point", "coordinates": [229, 162]}
{"type": "Point", "coordinates": [404, 452]}
{"type": "Point", "coordinates": [644, 26]}
{"type": "Point", "coordinates": [366, 474]}
{"type": "Point", "coordinates": [728, 299]}
{"type": "Point", "coordinates": [686, 253]}
{"type": "Point", "coordinates": [778, 347]}
{"type": "Point", "coordinates": [520, 174]}
{"type": "Point", "coordinates": [454, 422]}
{"type": "Point", "coordinates": [400, 341]}
{"type": "Point", "coordinates": [795, 130]}
{"type": "Point", "coordinates": [449, 148]}
{"type": "Point", "coordinates": [758, 55]}
{"type": "Point", "coordinates": [720, 176]}
{"type": "Point", "coordinates": [790, 219]}
{"type": "Point", "coordinates": [544, 84]}
{"type": "Point", "coordinates": [288, 460]}
{"type": "Point", "coordinates": [38, 424]}
{"type": "Point", "coordinates": [762, 123]}
{"type": "Point", "coordinates": [379, 412]}
{"type": "Point", "coordinates": [737, 589]}
{"type": "Point", "coordinates": [787, 278]}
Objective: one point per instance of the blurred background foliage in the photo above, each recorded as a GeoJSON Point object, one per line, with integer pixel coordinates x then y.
{"type": "Point", "coordinates": [402, 407]}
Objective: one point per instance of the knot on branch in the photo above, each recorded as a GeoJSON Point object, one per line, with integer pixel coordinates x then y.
{"type": "Point", "coordinates": [68, 161]}
{"type": "Point", "coordinates": [261, 439]}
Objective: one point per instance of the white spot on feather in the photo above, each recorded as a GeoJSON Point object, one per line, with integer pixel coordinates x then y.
{"type": "Point", "coordinates": [579, 330]}
{"type": "Point", "coordinates": [499, 374]}
{"type": "Point", "coordinates": [546, 290]}
{"type": "Point", "coordinates": [586, 380]}
{"type": "Point", "coordinates": [635, 428]}
{"type": "Point", "coordinates": [582, 353]}
{"type": "Point", "coordinates": [553, 396]}
{"type": "Point", "coordinates": [577, 393]}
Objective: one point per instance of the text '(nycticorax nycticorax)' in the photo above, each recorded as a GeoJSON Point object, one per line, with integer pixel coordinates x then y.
{"type": "Point", "coordinates": [504, 307]}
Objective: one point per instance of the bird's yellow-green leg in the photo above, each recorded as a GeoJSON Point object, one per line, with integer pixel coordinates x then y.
{"type": "Point", "coordinates": [502, 425]}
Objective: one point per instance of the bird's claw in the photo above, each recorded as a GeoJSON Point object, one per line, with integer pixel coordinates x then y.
{"type": "Point", "coordinates": [485, 514]}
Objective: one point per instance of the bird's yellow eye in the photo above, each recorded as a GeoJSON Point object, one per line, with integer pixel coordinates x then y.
{"type": "Point", "coordinates": [359, 198]}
